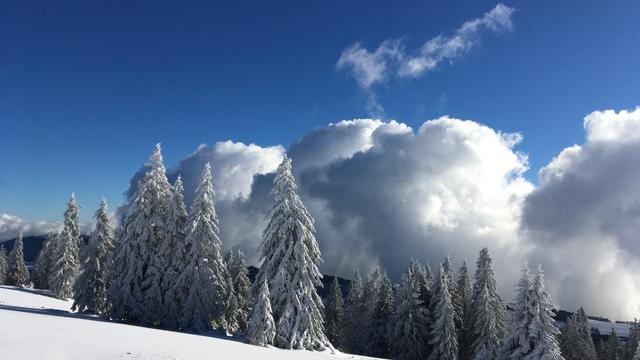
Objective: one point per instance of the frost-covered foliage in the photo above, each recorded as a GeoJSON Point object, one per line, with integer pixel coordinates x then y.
{"type": "Point", "coordinates": [171, 256]}
{"type": "Point", "coordinates": [543, 329]}
{"type": "Point", "coordinates": [66, 261]}
{"type": "Point", "coordinates": [444, 338]}
{"type": "Point", "coordinates": [423, 281]}
{"type": "Point", "coordinates": [205, 276]}
{"type": "Point", "coordinates": [44, 262]}
{"type": "Point", "coordinates": [334, 315]}
{"type": "Point", "coordinates": [410, 328]}
{"type": "Point", "coordinates": [241, 285]}
{"type": "Point", "coordinates": [4, 265]}
{"type": "Point", "coordinates": [489, 323]}
{"type": "Point", "coordinates": [290, 257]}
{"type": "Point", "coordinates": [354, 329]}
{"type": "Point", "coordinates": [380, 310]}
{"type": "Point", "coordinates": [262, 328]}
{"type": "Point", "coordinates": [90, 290]}
{"type": "Point", "coordinates": [17, 274]}
{"type": "Point", "coordinates": [134, 293]}
{"type": "Point", "coordinates": [575, 339]}
{"type": "Point", "coordinates": [465, 332]}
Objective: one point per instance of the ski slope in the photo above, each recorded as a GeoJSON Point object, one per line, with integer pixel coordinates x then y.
{"type": "Point", "coordinates": [34, 325]}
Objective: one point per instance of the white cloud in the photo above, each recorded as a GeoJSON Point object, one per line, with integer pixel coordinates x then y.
{"type": "Point", "coordinates": [583, 220]}
{"type": "Point", "coordinates": [11, 225]}
{"type": "Point", "coordinates": [391, 58]}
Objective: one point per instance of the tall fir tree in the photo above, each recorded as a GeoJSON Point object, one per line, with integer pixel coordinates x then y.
{"type": "Point", "coordinates": [17, 274]}
{"type": "Point", "coordinates": [444, 338]}
{"type": "Point", "coordinates": [489, 323]}
{"type": "Point", "coordinates": [90, 290]}
{"type": "Point", "coordinates": [66, 261]}
{"type": "Point", "coordinates": [334, 315]}
{"type": "Point", "coordinates": [410, 324]}
{"type": "Point", "coordinates": [133, 294]}
{"type": "Point", "coordinates": [380, 317]}
{"type": "Point", "coordinates": [424, 280]}
{"type": "Point", "coordinates": [290, 257]}
{"type": "Point", "coordinates": [172, 252]}
{"type": "Point", "coordinates": [205, 276]}
{"type": "Point", "coordinates": [576, 342]}
{"type": "Point", "coordinates": [544, 343]}
{"type": "Point", "coordinates": [44, 262]}
{"type": "Point", "coordinates": [353, 341]}
{"type": "Point", "coordinates": [262, 328]}
{"type": "Point", "coordinates": [241, 284]}
{"type": "Point", "coordinates": [612, 346]}
{"type": "Point", "coordinates": [4, 265]}
{"type": "Point", "coordinates": [465, 294]}
{"type": "Point", "coordinates": [518, 343]}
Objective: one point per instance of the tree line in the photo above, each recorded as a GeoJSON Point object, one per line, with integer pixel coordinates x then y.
{"type": "Point", "coordinates": [164, 267]}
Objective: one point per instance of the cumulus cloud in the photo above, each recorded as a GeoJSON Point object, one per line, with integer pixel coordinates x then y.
{"type": "Point", "coordinates": [391, 58]}
{"type": "Point", "coordinates": [583, 220]}
{"type": "Point", "coordinates": [11, 225]}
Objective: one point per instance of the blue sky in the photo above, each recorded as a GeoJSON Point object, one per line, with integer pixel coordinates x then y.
{"type": "Point", "coordinates": [87, 88]}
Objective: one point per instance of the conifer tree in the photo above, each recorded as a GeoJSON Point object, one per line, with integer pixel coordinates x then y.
{"type": "Point", "coordinates": [241, 284]}
{"type": "Point", "coordinates": [90, 290]}
{"type": "Point", "coordinates": [544, 344]}
{"type": "Point", "coordinates": [17, 274]}
{"type": "Point", "coordinates": [423, 277]}
{"type": "Point", "coordinates": [4, 265]}
{"type": "Point", "coordinates": [410, 321]}
{"type": "Point", "coordinates": [631, 344]}
{"type": "Point", "coordinates": [205, 275]}
{"type": "Point", "coordinates": [334, 315]}
{"type": "Point", "coordinates": [489, 323]}
{"type": "Point", "coordinates": [575, 340]}
{"type": "Point", "coordinates": [133, 295]}
{"type": "Point", "coordinates": [636, 356]}
{"type": "Point", "coordinates": [44, 262]}
{"type": "Point", "coordinates": [353, 317]}
{"type": "Point", "coordinates": [262, 329]}
{"type": "Point", "coordinates": [465, 294]}
{"type": "Point", "coordinates": [612, 346]}
{"type": "Point", "coordinates": [290, 257]}
{"type": "Point", "coordinates": [66, 262]}
{"type": "Point", "coordinates": [519, 341]}
{"type": "Point", "coordinates": [444, 338]}
{"type": "Point", "coordinates": [380, 317]}
{"type": "Point", "coordinates": [172, 252]}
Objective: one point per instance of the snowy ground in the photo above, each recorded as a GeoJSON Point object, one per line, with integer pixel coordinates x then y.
{"type": "Point", "coordinates": [605, 327]}
{"type": "Point", "coordinates": [34, 325]}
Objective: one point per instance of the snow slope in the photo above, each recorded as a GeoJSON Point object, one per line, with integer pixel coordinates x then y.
{"type": "Point", "coordinates": [34, 325]}
{"type": "Point", "coordinates": [605, 327]}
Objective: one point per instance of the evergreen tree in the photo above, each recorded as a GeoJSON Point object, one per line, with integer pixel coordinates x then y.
{"type": "Point", "coordinates": [631, 344]}
{"type": "Point", "coordinates": [44, 262]}
{"type": "Point", "coordinates": [444, 338]}
{"type": "Point", "coordinates": [172, 252]}
{"type": "Point", "coordinates": [334, 315]}
{"type": "Point", "coordinates": [354, 329]}
{"type": "Point", "coordinates": [612, 346]}
{"type": "Point", "coordinates": [134, 293]}
{"type": "Point", "coordinates": [465, 294]}
{"type": "Point", "coordinates": [489, 323]}
{"type": "Point", "coordinates": [380, 317]}
{"type": "Point", "coordinates": [4, 265]}
{"type": "Point", "coordinates": [575, 340]}
{"type": "Point", "coordinates": [290, 257]}
{"type": "Point", "coordinates": [90, 290]}
{"type": "Point", "coordinates": [543, 328]}
{"type": "Point", "coordinates": [241, 284]}
{"type": "Point", "coordinates": [262, 329]}
{"type": "Point", "coordinates": [636, 356]}
{"type": "Point", "coordinates": [205, 275]}
{"type": "Point", "coordinates": [518, 343]}
{"type": "Point", "coordinates": [424, 278]}
{"type": "Point", "coordinates": [410, 321]}
{"type": "Point", "coordinates": [17, 274]}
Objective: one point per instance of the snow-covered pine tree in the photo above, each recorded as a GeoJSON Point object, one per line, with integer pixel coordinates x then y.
{"type": "Point", "coordinates": [444, 338]}
{"type": "Point", "coordinates": [424, 278]}
{"type": "Point", "coordinates": [241, 288]}
{"type": "Point", "coordinates": [290, 257]}
{"type": "Point", "coordinates": [380, 318]}
{"type": "Point", "coordinates": [4, 265]}
{"type": "Point", "coordinates": [17, 274]}
{"type": "Point", "coordinates": [44, 262]}
{"type": "Point", "coordinates": [172, 253]}
{"type": "Point", "coordinates": [354, 328]}
{"type": "Point", "coordinates": [409, 324]}
{"type": "Point", "coordinates": [90, 290]}
{"type": "Point", "coordinates": [575, 339]}
{"type": "Point", "coordinates": [334, 315]}
{"type": "Point", "coordinates": [132, 295]}
{"type": "Point", "coordinates": [453, 291]}
{"type": "Point", "coordinates": [489, 323]}
{"type": "Point", "coordinates": [543, 329]}
{"type": "Point", "coordinates": [519, 341]}
{"type": "Point", "coordinates": [66, 263]}
{"type": "Point", "coordinates": [465, 333]}
{"type": "Point", "coordinates": [262, 328]}
{"type": "Point", "coordinates": [612, 346]}
{"type": "Point", "coordinates": [205, 275]}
